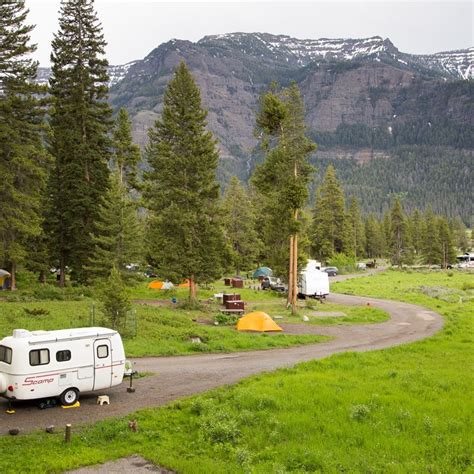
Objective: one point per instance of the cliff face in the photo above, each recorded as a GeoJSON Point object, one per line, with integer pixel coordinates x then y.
{"type": "Point", "coordinates": [363, 96]}
{"type": "Point", "coordinates": [364, 83]}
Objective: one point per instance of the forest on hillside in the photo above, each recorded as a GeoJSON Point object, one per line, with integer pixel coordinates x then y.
{"type": "Point", "coordinates": [409, 174]}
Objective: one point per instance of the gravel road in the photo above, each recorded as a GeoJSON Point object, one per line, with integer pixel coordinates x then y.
{"type": "Point", "coordinates": [176, 377]}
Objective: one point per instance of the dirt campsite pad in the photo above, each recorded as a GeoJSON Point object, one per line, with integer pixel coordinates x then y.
{"type": "Point", "coordinates": [131, 465]}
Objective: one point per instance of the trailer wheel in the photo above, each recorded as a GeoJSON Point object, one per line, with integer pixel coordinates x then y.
{"type": "Point", "coordinates": [69, 396]}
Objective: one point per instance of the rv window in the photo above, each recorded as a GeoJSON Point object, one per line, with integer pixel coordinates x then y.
{"type": "Point", "coordinates": [5, 354]}
{"type": "Point", "coordinates": [102, 352]}
{"type": "Point", "coordinates": [39, 357]}
{"type": "Point", "coordinates": [63, 356]}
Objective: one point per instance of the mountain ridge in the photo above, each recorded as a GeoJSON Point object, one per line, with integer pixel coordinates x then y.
{"type": "Point", "coordinates": [364, 100]}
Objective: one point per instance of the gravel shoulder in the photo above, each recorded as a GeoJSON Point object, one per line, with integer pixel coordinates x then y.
{"type": "Point", "coordinates": [175, 377]}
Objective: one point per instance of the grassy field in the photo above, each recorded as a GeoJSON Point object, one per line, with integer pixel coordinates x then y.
{"type": "Point", "coordinates": [159, 330]}
{"type": "Point", "coordinates": [405, 409]}
{"type": "Point", "coordinates": [168, 329]}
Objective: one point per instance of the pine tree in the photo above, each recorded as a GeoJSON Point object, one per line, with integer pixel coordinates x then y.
{"type": "Point", "coordinates": [432, 251]}
{"type": "Point", "coordinates": [80, 123]}
{"type": "Point", "coordinates": [23, 160]}
{"type": "Point", "coordinates": [374, 238]}
{"type": "Point", "coordinates": [240, 226]}
{"type": "Point", "coordinates": [330, 229]}
{"type": "Point", "coordinates": [400, 243]}
{"type": "Point", "coordinates": [357, 230]}
{"type": "Point", "coordinates": [416, 225]}
{"type": "Point", "coordinates": [185, 238]}
{"type": "Point", "coordinates": [283, 178]}
{"type": "Point", "coordinates": [115, 301]}
{"type": "Point", "coordinates": [126, 154]}
{"type": "Point", "coordinates": [386, 226]}
{"type": "Point", "coordinates": [448, 254]}
{"type": "Point", "coordinates": [459, 233]}
{"type": "Point", "coordinates": [118, 233]}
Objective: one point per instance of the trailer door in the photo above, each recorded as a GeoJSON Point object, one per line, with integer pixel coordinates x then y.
{"type": "Point", "coordinates": [102, 364]}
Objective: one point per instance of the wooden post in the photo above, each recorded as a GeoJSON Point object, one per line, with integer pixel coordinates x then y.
{"type": "Point", "coordinates": [290, 274]}
{"type": "Point", "coordinates": [13, 277]}
{"type": "Point", "coordinates": [295, 275]}
{"type": "Point", "coordinates": [67, 437]}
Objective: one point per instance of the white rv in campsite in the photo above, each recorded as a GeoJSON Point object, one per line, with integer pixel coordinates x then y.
{"type": "Point", "coordinates": [64, 363]}
{"type": "Point", "coordinates": [312, 282]}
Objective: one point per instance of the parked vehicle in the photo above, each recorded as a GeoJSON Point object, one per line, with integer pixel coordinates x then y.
{"type": "Point", "coordinates": [465, 261]}
{"type": "Point", "coordinates": [64, 363]}
{"type": "Point", "coordinates": [312, 282]}
{"type": "Point", "coordinates": [272, 283]}
{"type": "Point", "coordinates": [331, 271]}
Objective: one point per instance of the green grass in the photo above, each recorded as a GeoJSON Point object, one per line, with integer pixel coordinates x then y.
{"type": "Point", "coordinates": [311, 308]}
{"type": "Point", "coordinates": [160, 330]}
{"type": "Point", "coordinates": [404, 409]}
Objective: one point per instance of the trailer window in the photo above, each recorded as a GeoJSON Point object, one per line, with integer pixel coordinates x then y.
{"type": "Point", "coordinates": [102, 351]}
{"type": "Point", "coordinates": [63, 356]}
{"type": "Point", "coordinates": [5, 354]}
{"type": "Point", "coordinates": [39, 357]}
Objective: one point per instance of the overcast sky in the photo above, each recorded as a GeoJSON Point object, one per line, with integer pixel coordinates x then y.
{"type": "Point", "coordinates": [133, 28]}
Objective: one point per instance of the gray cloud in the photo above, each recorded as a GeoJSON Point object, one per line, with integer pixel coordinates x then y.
{"type": "Point", "coordinates": [134, 28]}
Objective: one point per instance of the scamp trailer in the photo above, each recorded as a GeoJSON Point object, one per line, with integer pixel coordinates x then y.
{"type": "Point", "coordinates": [41, 364]}
{"type": "Point", "coordinates": [312, 282]}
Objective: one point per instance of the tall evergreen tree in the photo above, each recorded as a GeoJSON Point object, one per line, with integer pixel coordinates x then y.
{"type": "Point", "coordinates": [386, 226]}
{"type": "Point", "coordinates": [185, 238]}
{"type": "Point", "coordinates": [432, 252]}
{"type": "Point", "coordinates": [126, 154]}
{"type": "Point", "coordinates": [448, 254]}
{"type": "Point", "coordinates": [115, 302]}
{"type": "Point", "coordinates": [240, 226]}
{"type": "Point", "coordinates": [460, 235]}
{"type": "Point", "coordinates": [80, 123]}
{"type": "Point", "coordinates": [416, 227]}
{"type": "Point", "coordinates": [23, 159]}
{"type": "Point", "coordinates": [283, 177]}
{"type": "Point", "coordinates": [400, 242]}
{"type": "Point", "coordinates": [374, 237]}
{"type": "Point", "coordinates": [357, 230]}
{"type": "Point", "coordinates": [118, 233]}
{"type": "Point", "coordinates": [330, 232]}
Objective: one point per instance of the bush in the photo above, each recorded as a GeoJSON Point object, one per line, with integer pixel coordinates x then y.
{"type": "Point", "coordinates": [226, 319]}
{"type": "Point", "coordinates": [36, 311]}
{"type": "Point", "coordinates": [219, 427]}
{"type": "Point", "coordinates": [345, 263]}
{"type": "Point", "coordinates": [115, 301]}
{"type": "Point", "coordinates": [360, 412]}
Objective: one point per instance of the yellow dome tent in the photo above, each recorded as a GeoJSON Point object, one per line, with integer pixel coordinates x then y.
{"type": "Point", "coordinates": [156, 285]}
{"type": "Point", "coordinates": [257, 321]}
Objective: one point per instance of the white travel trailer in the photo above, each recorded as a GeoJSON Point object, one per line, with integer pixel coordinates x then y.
{"type": "Point", "coordinates": [41, 364]}
{"type": "Point", "coordinates": [312, 282]}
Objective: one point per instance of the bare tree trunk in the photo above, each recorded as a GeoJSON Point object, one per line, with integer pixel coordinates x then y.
{"type": "Point", "coordinates": [294, 307]}
{"type": "Point", "coordinates": [290, 274]}
{"type": "Point", "coordinates": [192, 290]}
{"type": "Point", "coordinates": [13, 277]}
{"type": "Point", "coordinates": [62, 273]}
{"type": "Point", "coordinates": [42, 277]}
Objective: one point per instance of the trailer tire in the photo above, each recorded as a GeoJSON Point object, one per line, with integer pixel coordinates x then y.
{"type": "Point", "coordinates": [69, 396]}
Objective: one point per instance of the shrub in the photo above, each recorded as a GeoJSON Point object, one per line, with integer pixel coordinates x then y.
{"type": "Point", "coordinates": [226, 319]}
{"type": "Point", "coordinates": [345, 263]}
{"type": "Point", "coordinates": [360, 412]}
{"type": "Point", "coordinates": [219, 427]}
{"type": "Point", "coordinates": [115, 300]}
{"type": "Point", "coordinates": [36, 311]}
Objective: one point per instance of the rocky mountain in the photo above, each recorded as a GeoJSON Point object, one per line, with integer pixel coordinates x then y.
{"type": "Point", "coordinates": [364, 97]}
